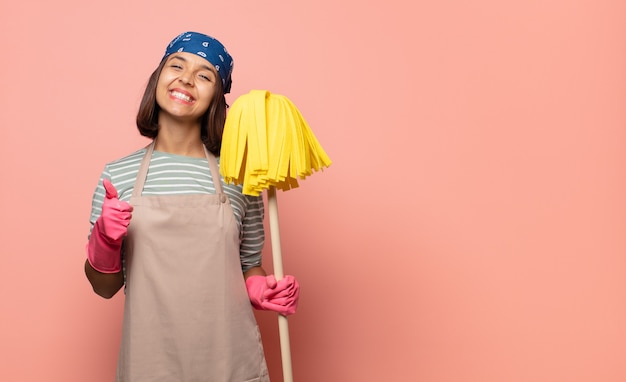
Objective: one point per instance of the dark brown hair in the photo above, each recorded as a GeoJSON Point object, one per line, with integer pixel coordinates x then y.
{"type": "Point", "coordinates": [211, 123]}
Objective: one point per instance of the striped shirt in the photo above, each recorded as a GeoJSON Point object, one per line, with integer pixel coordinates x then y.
{"type": "Point", "coordinates": [171, 174]}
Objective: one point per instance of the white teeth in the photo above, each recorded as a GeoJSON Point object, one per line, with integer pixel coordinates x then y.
{"type": "Point", "coordinates": [181, 96]}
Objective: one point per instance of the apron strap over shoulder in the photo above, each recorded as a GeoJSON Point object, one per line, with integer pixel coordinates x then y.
{"type": "Point", "coordinates": [143, 170]}
{"type": "Point", "coordinates": [215, 174]}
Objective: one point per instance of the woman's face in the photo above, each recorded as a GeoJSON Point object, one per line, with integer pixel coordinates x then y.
{"type": "Point", "coordinates": [186, 86]}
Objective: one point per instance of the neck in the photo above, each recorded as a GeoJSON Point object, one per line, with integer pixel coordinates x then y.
{"type": "Point", "coordinates": [180, 139]}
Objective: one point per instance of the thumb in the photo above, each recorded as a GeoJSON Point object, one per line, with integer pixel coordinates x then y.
{"type": "Point", "coordinates": [271, 281]}
{"type": "Point", "coordinates": [111, 192]}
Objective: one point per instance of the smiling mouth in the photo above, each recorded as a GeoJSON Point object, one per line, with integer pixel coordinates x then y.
{"type": "Point", "coordinates": [181, 96]}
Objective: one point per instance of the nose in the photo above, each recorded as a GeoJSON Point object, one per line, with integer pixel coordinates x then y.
{"type": "Point", "coordinates": [186, 77]}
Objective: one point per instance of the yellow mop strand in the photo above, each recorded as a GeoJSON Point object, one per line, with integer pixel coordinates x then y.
{"type": "Point", "coordinates": [267, 142]}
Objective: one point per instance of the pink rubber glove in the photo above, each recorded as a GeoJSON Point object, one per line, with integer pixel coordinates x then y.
{"type": "Point", "coordinates": [267, 294]}
{"type": "Point", "coordinates": [105, 242]}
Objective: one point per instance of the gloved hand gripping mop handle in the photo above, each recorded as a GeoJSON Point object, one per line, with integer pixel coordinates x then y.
{"type": "Point", "coordinates": [266, 293]}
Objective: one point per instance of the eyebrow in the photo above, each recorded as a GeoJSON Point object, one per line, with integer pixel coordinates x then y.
{"type": "Point", "coordinates": [183, 59]}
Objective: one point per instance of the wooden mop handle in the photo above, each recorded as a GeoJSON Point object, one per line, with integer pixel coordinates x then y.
{"type": "Point", "coordinates": [283, 327]}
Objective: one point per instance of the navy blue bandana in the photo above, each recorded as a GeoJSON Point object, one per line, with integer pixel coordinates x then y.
{"type": "Point", "coordinates": [208, 48]}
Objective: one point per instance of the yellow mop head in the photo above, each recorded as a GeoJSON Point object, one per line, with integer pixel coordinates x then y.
{"type": "Point", "coordinates": [267, 142]}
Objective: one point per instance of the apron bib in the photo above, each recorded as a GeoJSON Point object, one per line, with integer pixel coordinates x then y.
{"type": "Point", "coordinates": [187, 316]}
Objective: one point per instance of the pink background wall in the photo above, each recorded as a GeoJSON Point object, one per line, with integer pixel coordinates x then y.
{"type": "Point", "coordinates": [471, 227]}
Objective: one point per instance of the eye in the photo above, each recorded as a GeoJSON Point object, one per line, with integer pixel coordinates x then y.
{"type": "Point", "coordinates": [205, 77]}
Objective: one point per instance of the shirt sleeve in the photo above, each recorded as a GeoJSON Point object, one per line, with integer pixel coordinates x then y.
{"type": "Point", "coordinates": [252, 233]}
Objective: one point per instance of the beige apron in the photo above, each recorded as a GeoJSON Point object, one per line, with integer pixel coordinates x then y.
{"type": "Point", "coordinates": [187, 316]}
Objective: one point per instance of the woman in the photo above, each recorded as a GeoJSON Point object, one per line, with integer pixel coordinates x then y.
{"type": "Point", "coordinates": [186, 249]}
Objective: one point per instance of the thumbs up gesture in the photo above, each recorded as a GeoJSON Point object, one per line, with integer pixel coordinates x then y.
{"type": "Point", "coordinates": [105, 243]}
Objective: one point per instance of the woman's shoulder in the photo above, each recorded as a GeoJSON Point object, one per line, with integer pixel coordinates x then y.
{"type": "Point", "coordinates": [136, 156]}
{"type": "Point", "coordinates": [128, 160]}
{"type": "Point", "coordinates": [123, 171]}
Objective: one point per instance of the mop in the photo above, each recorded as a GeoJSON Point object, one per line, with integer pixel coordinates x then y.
{"type": "Point", "coordinates": [267, 145]}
